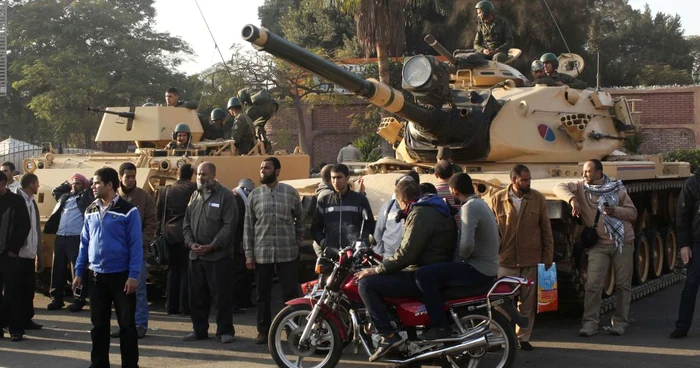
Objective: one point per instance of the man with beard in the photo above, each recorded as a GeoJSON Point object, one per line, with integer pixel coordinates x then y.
{"type": "Point", "coordinates": [147, 209]}
{"type": "Point", "coordinates": [526, 240]}
{"type": "Point", "coordinates": [209, 227]}
{"type": "Point", "coordinates": [339, 213]}
{"type": "Point", "coordinates": [73, 198]}
{"type": "Point", "coordinates": [274, 230]}
{"type": "Point", "coordinates": [598, 194]}
{"type": "Point", "coordinates": [110, 259]}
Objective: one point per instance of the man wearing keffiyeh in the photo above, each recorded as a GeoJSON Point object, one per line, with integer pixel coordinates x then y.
{"type": "Point", "coordinates": [615, 246]}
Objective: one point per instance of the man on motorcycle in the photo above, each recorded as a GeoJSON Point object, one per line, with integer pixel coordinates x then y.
{"type": "Point", "coordinates": [429, 237]}
{"type": "Point", "coordinates": [475, 264]}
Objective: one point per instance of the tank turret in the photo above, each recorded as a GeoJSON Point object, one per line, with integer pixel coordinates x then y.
{"type": "Point", "coordinates": [481, 109]}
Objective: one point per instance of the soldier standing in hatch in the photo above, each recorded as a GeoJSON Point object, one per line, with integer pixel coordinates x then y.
{"type": "Point", "coordinates": [181, 138]}
{"type": "Point", "coordinates": [218, 129]}
{"type": "Point", "coordinates": [260, 108]}
{"type": "Point", "coordinates": [494, 34]}
{"type": "Point", "coordinates": [551, 63]}
{"type": "Point", "coordinates": [538, 75]}
{"type": "Point", "coordinates": [243, 131]}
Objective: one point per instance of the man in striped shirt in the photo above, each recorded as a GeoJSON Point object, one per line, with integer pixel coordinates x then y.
{"type": "Point", "coordinates": [273, 233]}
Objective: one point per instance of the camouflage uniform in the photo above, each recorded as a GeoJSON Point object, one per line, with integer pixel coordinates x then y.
{"type": "Point", "coordinates": [213, 132]}
{"type": "Point", "coordinates": [544, 80]}
{"type": "Point", "coordinates": [497, 36]}
{"type": "Point", "coordinates": [243, 133]}
{"type": "Point", "coordinates": [568, 80]}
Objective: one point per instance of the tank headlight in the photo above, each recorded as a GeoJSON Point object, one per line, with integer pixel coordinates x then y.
{"type": "Point", "coordinates": [417, 71]}
{"type": "Point", "coordinates": [180, 163]}
{"type": "Point", "coordinates": [40, 165]}
{"type": "Point", "coordinates": [30, 166]}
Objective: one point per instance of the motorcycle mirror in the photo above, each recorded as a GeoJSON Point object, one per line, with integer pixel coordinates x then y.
{"type": "Point", "coordinates": [365, 216]}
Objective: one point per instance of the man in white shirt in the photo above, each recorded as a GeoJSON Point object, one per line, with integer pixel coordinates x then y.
{"type": "Point", "coordinates": [8, 168]}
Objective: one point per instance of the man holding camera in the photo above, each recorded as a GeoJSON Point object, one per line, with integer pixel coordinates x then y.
{"type": "Point", "coordinates": [598, 193]}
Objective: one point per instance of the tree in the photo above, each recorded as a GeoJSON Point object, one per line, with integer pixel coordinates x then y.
{"type": "Point", "coordinates": [71, 55]}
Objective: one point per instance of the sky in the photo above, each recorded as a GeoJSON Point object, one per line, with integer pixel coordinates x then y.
{"type": "Point", "coordinates": [226, 18]}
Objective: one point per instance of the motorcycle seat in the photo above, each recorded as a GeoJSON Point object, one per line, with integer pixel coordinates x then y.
{"type": "Point", "coordinates": [460, 292]}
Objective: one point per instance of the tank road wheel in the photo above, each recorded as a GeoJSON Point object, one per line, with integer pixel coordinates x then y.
{"type": "Point", "coordinates": [609, 285]}
{"type": "Point", "coordinates": [671, 203]}
{"type": "Point", "coordinates": [656, 252]}
{"type": "Point", "coordinates": [670, 250]}
{"type": "Point", "coordinates": [641, 259]}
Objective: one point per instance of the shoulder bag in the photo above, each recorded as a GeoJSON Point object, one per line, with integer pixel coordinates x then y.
{"type": "Point", "coordinates": [159, 249]}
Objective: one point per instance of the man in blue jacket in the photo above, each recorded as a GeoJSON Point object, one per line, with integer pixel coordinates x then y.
{"type": "Point", "coordinates": [110, 259]}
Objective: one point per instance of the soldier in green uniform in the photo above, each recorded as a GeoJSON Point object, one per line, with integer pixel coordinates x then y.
{"type": "Point", "coordinates": [538, 75]}
{"type": "Point", "coordinates": [551, 63]}
{"type": "Point", "coordinates": [260, 108]}
{"type": "Point", "coordinates": [218, 128]}
{"type": "Point", "coordinates": [243, 132]}
{"type": "Point", "coordinates": [494, 34]}
{"type": "Point", "coordinates": [181, 138]}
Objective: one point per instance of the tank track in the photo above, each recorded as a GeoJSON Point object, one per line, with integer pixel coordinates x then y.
{"type": "Point", "coordinates": [643, 186]}
{"type": "Point", "coordinates": [647, 288]}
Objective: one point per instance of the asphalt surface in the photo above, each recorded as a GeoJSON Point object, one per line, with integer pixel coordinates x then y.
{"type": "Point", "coordinates": [65, 341]}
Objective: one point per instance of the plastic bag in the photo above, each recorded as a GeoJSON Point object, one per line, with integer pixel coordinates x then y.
{"type": "Point", "coordinates": [547, 296]}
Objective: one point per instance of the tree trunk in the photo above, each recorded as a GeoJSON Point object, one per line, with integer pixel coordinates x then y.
{"type": "Point", "coordinates": [301, 122]}
{"type": "Point", "coordinates": [383, 64]}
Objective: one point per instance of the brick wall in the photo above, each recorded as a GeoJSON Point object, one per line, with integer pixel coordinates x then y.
{"type": "Point", "coordinates": [665, 107]}
{"type": "Point", "coordinates": [665, 140]}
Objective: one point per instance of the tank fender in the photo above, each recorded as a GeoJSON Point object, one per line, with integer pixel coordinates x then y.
{"type": "Point", "coordinates": [328, 314]}
{"type": "Point", "coordinates": [558, 209]}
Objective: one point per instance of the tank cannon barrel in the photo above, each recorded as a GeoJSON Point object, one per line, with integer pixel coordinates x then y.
{"type": "Point", "coordinates": [375, 92]}
{"type": "Point", "coordinates": [430, 40]}
{"type": "Point", "coordinates": [128, 115]}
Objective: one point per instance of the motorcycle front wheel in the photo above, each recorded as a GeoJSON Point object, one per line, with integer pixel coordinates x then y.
{"type": "Point", "coordinates": [501, 338]}
{"type": "Point", "coordinates": [323, 350]}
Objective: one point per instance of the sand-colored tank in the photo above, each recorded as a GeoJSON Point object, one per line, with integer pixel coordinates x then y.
{"type": "Point", "coordinates": [492, 117]}
{"type": "Point", "coordinates": [151, 128]}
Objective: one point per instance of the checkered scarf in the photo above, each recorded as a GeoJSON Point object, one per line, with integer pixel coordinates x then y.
{"type": "Point", "coordinates": [607, 192]}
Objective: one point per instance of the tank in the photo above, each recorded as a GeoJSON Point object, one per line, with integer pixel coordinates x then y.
{"type": "Point", "coordinates": [151, 129]}
{"type": "Point", "coordinates": [492, 117]}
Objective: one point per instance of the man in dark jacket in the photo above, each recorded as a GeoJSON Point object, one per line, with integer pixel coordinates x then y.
{"type": "Point", "coordinates": [208, 228]}
{"type": "Point", "coordinates": [242, 277]}
{"type": "Point", "coordinates": [688, 230]}
{"type": "Point", "coordinates": [176, 196]}
{"type": "Point", "coordinates": [429, 237]}
{"type": "Point", "coordinates": [339, 213]}
{"type": "Point", "coordinates": [66, 221]}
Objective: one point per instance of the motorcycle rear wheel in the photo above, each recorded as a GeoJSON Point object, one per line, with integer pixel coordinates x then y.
{"type": "Point", "coordinates": [284, 334]}
{"type": "Point", "coordinates": [502, 340]}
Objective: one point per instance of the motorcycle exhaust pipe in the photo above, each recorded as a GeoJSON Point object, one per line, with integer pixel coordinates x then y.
{"type": "Point", "coordinates": [468, 335]}
{"type": "Point", "coordinates": [471, 344]}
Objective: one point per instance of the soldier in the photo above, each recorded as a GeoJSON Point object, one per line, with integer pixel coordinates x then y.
{"type": "Point", "coordinates": [260, 108]}
{"type": "Point", "coordinates": [243, 132]}
{"type": "Point", "coordinates": [551, 63]}
{"type": "Point", "coordinates": [538, 75]}
{"type": "Point", "coordinates": [494, 34]}
{"type": "Point", "coordinates": [218, 129]}
{"type": "Point", "coordinates": [181, 138]}
{"type": "Point", "coordinates": [172, 97]}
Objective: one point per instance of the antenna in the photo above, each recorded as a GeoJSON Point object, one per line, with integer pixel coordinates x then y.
{"type": "Point", "coordinates": [597, 76]}
{"type": "Point", "coordinates": [560, 33]}
{"type": "Point", "coordinates": [216, 46]}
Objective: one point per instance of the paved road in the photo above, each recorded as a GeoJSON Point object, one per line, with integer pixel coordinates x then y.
{"type": "Point", "coordinates": [65, 342]}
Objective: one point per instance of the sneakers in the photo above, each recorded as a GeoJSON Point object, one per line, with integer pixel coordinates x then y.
{"type": "Point", "coordinates": [435, 333]}
{"type": "Point", "coordinates": [226, 339]}
{"type": "Point", "coordinates": [587, 331]}
{"type": "Point", "coordinates": [617, 331]}
{"type": "Point", "coordinates": [55, 305]}
{"type": "Point", "coordinates": [261, 339]}
{"type": "Point", "coordinates": [193, 337]}
{"type": "Point", "coordinates": [387, 343]}
{"type": "Point", "coordinates": [525, 345]}
{"type": "Point", "coordinates": [678, 334]}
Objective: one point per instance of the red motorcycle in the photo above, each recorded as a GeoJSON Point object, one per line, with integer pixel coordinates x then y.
{"type": "Point", "coordinates": [314, 330]}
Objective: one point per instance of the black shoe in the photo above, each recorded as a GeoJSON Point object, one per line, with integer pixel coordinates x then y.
{"type": "Point", "coordinates": [524, 345]}
{"type": "Point", "coordinates": [387, 344]}
{"type": "Point", "coordinates": [33, 326]}
{"type": "Point", "coordinates": [435, 333]}
{"type": "Point", "coordinates": [55, 305]}
{"type": "Point", "coordinates": [140, 332]}
{"type": "Point", "coordinates": [76, 307]}
{"type": "Point", "coordinates": [678, 334]}
{"type": "Point", "coordinates": [16, 338]}
{"type": "Point", "coordinates": [115, 334]}
{"type": "Point", "coordinates": [261, 339]}
{"type": "Point", "coordinates": [237, 310]}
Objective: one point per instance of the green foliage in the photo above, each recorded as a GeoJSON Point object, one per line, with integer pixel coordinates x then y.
{"type": "Point", "coordinates": [691, 156]}
{"type": "Point", "coordinates": [317, 28]}
{"type": "Point", "coordinates": [633, 143]}
{"type": "Point", "coordinates": [651, 75]}
{"type": "Point", "coordinates": [369, 146]}
{"type": "Point", "coordinates": [368, 121]}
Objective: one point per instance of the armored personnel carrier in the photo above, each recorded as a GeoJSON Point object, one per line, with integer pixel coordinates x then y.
{"type": "Point", "coordinates": [151, 128]}
{"type": "Point", "coordinates": [492, 117]}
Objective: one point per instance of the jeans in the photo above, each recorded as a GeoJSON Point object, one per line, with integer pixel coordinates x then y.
{"type": "Point", "coordinates": [288, 273]}
{"type": "Point", "coordinates": [373, 289]}
{"type": "Point", "coordinates": [210, 284]}
{"type": "Point", "coordinates": [690, 291]}
{"type": "Point", "coordinates": [432, 278]}
{"type": "Point", "coordinates": [177, 295]}
{"type": "Point", "coordinates": [105, 289]}
{"type": "Point", "coordinates": [142, 298]}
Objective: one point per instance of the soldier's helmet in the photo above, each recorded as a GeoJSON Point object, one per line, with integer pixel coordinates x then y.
{"type": "Point", "coordinates": [181, 128]}
{"type": "Point", "coordinates": [217, 114]}
{"type": "Point", "coordinates": [233, 102]}
{"type": "Point", "coordinates": [486, 7]}
{"type": "Point", "coordinates": [244, 95]}
{"type": "Point", "coordinates": [262, 94]}
{"type": "Point", "coordinates": [149, 104]}
{"type": "Point", "coordinates": [536, 66]}
{"type": "Point", "coordinates": [550, 58]}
